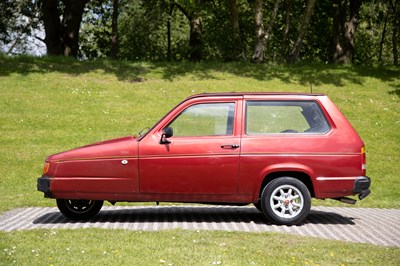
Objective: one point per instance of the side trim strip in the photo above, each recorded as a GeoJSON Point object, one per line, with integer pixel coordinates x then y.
{"type": "Point", "coordinates": [298, 154]}
{"type": "Point", "coordinates": [320, 178]}
{"type": "Point", "coordinates": [95, 158]}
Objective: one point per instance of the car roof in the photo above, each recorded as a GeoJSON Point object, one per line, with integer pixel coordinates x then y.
{"type": "Point", "coordinates": [231, 94]}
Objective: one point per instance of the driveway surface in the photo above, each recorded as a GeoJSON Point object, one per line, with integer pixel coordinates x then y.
{"type": "Point", "coordinates": [373, 226]}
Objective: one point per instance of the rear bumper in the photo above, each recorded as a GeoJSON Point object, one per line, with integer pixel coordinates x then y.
{"type": "Point", "coordinates": [43, 185]}
{"type": "Point", "coordinates": [337, 187]}
{"type": "Point", "coordinates": [361, 186]}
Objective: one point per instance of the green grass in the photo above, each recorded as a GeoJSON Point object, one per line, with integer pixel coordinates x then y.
{"type": "Point", "coordinates": [179, 247]}
{"type": "Point", "coordinates": [49, 105]}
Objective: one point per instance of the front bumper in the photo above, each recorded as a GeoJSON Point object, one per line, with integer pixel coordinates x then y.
{"type": "Point", "coordinates": [43, 185]}
{"type": "Point", "coordinates": [361, 186]}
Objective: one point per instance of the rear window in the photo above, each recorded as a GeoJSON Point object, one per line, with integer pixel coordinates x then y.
{"type": "Point", "coordinates": [274, 117]}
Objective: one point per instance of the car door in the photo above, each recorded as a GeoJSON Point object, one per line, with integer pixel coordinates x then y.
{"type": "Point", "coordinates": [200, 159]}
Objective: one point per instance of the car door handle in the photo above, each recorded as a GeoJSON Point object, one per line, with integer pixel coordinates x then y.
{"type": "Point", "coordinates": [230, 146]}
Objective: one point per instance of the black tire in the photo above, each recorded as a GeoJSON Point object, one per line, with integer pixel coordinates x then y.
{"type": "Point", "coordinates": [286, 201]}
{"type": "Point", "coordinates": [79, 209]}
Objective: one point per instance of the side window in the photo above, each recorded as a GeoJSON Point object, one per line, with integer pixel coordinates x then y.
{"type": "Point", "coordinates": [208, 119]}
{"type": "Point", "coordinates": [272, 117]}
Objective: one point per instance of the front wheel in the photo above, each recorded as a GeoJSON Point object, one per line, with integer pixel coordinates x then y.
{"type": "Point", "coordinates": [79, 209]}
{"type": "Point", "coordinates": [286, 201]}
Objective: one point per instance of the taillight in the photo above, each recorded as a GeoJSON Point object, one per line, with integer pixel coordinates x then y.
{"type": "Point", "coordinates": [364, 161]}
{"type": "Point", "coordinates": [46, 167]}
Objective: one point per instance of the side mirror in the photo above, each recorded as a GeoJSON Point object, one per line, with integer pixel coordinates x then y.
{"type": "Point", "coordinates": [166, 133]}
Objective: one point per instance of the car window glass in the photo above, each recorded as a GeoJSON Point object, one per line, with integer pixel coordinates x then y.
{"type": "Point", "coordinates": [205, 120]}
{"type": "Point", "coordinates": [271, 117]}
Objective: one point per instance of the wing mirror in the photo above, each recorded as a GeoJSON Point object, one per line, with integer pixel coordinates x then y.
{"type": "Point", "coordinates": [166, 133]}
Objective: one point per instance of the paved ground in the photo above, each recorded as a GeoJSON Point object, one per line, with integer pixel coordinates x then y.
{"type": "Point", "coordinates": [374, 226]}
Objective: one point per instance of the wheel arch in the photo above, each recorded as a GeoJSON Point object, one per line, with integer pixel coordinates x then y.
{"type": "Point", "coordinates": [303, 174]}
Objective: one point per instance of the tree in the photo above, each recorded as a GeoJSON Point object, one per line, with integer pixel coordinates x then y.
{"type": "Point", "coordinates": [62, 32]}
{"type": "Point", "coordinates": [287, 20]}
{"type": "Point", "coordinates": [383, 33]}
{"type": "Point", "coordinates": [227, 30]}
{"type": "Point", "coordinates": [258, 55]}
{"type": "Point", "coordinates": [6, 14]}
{"type": "Point", "coordinates": [344, 30]}
{"type": "Point", "coordinates": [170, 11]}
{"type": "Point", "coordinates": [294, 53]}
{"type": "Point", "coordinates": [18, 26]}
{"type": "Point", "coordinates": [395, 6]}
{"type": "Point", "coordinates": [239, 50]}
{"type": "Point", "coordinates": [191, 12]}
{"type": "Point", "coordinates": [114, 27]}
{"type": "Point", "coordinates": [261, 35]}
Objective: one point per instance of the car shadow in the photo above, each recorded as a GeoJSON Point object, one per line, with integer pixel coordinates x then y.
{"type": "Point", "coordinates": [179, 214]}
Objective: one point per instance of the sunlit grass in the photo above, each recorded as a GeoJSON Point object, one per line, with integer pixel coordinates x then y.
{"type": "Point", "coordinates": [182, 247]}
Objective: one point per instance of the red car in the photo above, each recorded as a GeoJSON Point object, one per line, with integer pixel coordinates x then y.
{"type": "Point", "coordinates": [275, 150]}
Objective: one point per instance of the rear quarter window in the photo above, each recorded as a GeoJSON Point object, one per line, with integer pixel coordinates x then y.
{"type": "Point", "coordinates": [283, 117]}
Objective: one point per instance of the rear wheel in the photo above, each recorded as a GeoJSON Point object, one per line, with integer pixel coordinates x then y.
{"type": "Point", "coordinates": [79, 209]}
{"type": "Point", "coordinates": [286, 201]}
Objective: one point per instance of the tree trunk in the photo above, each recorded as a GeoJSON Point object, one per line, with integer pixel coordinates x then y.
{"type": "Point", "coordinates": [394, 44]}
{"type": "Point", "coordinates": [171, 9]}
{"type": "Point", "coordinates": [287, 20]}
{"type": "Point", "coordinates": [114, 28]}
{"type": "Point", "coordinates": [344, 52]}
{"type": "Point", "coordinates": [351, 27]}
{"type": "Point", "coordinates": [52, 27]}
{"type": "Point", "coordinates": [258, 56]}
{"type": "Point", "coordinates": [238, 50]}
{"type": "Point", "coordinates": [395, 31]}
{"type": "Point", "coordinates": [285, 46]}
{"type": "Point", "coordinates": [62, 37]}
{"type": "Point", "coordinates": [71, 22]}
{"type": "Point", "coordinates": [272, 20]}
{"type": "Point", "coordinates": [294, 54]}
{"type": "Point", "coordinates": [336, 29]}
{"type": "Point", "coordinates": [383, 37]}
{"type": "Point", "coordinates": [195, 41]}
{"type": "Point", "coordinates": [195, 37]}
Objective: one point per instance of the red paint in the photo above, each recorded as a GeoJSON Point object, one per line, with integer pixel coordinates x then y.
{"type": "Point", "coordinates": [198, 169]}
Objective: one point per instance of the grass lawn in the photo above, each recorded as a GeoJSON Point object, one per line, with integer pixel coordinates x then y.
{"type": "Point", "coordinates": [50, 105]}
{"type": "Point", "coordinates": [180, 247]}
